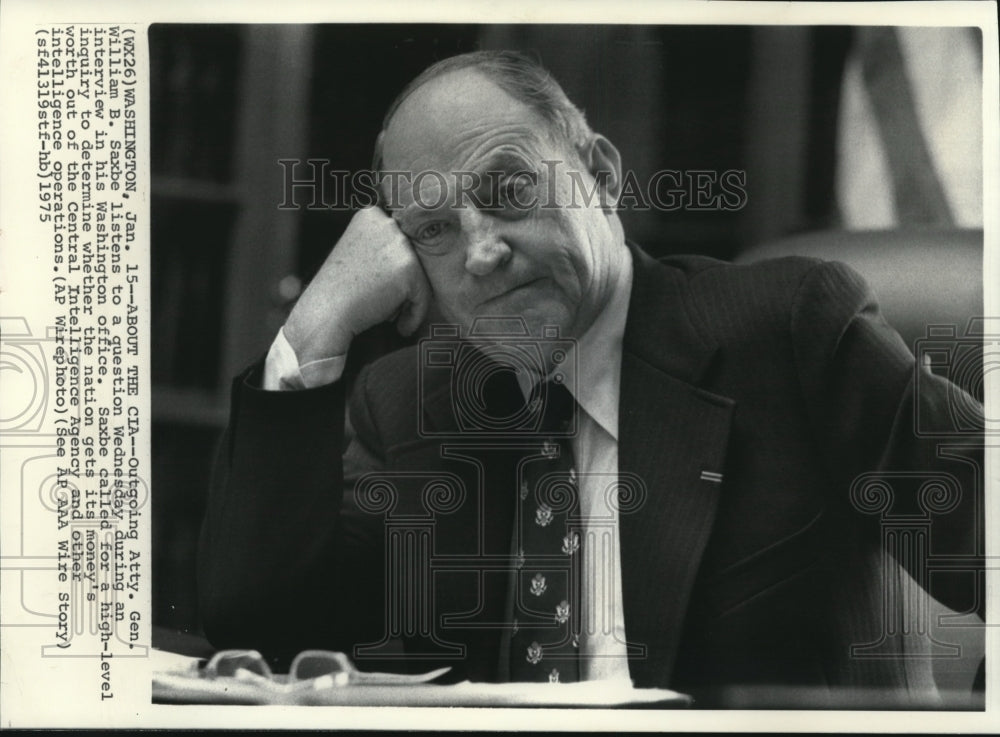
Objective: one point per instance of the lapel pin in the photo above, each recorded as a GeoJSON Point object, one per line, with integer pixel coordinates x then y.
{"type": "Point", "coordinates": [715, 478]}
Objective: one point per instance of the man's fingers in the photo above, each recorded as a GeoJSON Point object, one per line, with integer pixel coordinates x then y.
{"type": "Point", "coordinates": [372, 275]}
{"type": "Point", "coordinates": [411, 317]}
{"type": "Point", "coordinates": [407, 322]}
{"type": "Point", "coordinates": [416, 307]}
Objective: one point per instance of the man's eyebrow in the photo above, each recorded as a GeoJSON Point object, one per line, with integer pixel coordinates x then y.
{"type": "Point", "coordinates": [410, 215]}
{"type": "Point", "coordinates": [505, 161]}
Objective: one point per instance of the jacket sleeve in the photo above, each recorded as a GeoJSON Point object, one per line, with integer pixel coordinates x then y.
{"type": "Point", "coordinates": [286, 563]}
{"type": "Point", "coordinates": [865, 394]}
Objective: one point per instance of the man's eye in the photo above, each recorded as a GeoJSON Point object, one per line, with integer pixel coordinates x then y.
{"type": "Point", "coordinates": [517, 192]}
{"type": "Point", "coordinates": [512, 188]}
{"type": "Point", "coordinates": [431, 231]}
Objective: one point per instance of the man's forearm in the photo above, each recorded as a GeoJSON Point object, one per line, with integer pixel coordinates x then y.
{"type": "Point", "coordinates": [270, 532]}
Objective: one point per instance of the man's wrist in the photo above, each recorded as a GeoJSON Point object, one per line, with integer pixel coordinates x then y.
{"type": "Point", "coordinates": [282, 371]}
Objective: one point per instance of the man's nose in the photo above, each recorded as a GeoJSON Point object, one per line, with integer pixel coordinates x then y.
{"type": "Point", "coordinates": [485, 247]}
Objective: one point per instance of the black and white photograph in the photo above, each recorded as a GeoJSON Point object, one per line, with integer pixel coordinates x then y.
{"type": "Point", "coordinates": [493, 366]}
{"type": "Point", "coordinates": [643, 355]}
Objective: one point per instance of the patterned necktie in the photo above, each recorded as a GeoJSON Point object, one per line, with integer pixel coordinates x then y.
{"type": "Point", "coordinates": [545, 637]}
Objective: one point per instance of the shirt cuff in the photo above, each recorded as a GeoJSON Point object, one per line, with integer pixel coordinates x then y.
{"type": "Point", "coordinates": [283, 373]}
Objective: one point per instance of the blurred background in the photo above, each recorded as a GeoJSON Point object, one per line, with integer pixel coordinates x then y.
{"type": "Point", "coordinates": [862, 144]}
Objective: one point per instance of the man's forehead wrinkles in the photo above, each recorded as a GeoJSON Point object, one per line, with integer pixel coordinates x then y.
{"type": "Point", "coordinates": [492, 129]}
{"type": "Point", "coordinates": [514, 143]}
{"type": "Point", "coordinates": [509, 141]}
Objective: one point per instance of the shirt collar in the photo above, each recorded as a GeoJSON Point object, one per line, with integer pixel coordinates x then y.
{"type": "Point", "coordinates": [599, 357]}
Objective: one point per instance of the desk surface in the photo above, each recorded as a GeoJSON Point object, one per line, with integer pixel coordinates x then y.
{"type": "Point", "coordinates": [172, 688]}
{"type": "Point", "coordinates": [176, 680]}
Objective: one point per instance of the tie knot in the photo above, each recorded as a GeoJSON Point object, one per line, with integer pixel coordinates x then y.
{"type": "Point", "coordinates": [497, 397]}
{"type": "Point", "coordinates": [557, 405]}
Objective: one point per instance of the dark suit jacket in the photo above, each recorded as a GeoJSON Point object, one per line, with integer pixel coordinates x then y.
{"type": "Point", "coordinates": [780, 376]}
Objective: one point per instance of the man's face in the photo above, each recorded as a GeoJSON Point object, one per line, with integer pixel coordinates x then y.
{"type": "Point", "coordinates": [547, 263]}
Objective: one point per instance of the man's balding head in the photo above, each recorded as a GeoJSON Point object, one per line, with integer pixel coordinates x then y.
{"type": "Point", "coordinates": [519, 76]}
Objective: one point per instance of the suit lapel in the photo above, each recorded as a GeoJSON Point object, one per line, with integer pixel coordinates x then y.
{"type": "Point", "coordinates": [672, 437]}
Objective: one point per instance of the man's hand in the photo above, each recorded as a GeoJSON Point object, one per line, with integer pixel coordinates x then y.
{"type": "Point", "coordinates": [371, 274]}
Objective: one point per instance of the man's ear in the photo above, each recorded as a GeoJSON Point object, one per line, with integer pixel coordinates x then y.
{"type": "Point", "coordinates": [604, 162]}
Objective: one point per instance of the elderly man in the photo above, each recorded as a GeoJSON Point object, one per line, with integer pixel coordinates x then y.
{"type": "Point", "coordinates": [722, 424]}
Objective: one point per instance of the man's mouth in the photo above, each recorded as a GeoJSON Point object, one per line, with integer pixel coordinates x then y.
{"type": "Point", "coordinates": [514, 290]}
